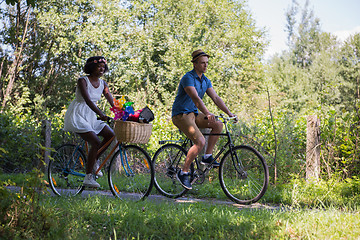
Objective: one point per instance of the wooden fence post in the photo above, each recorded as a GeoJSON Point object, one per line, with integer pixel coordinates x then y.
{"type": "Point", "coordinates": [313, 148]}
{"type": "Point", "coordinates": [46, 137]}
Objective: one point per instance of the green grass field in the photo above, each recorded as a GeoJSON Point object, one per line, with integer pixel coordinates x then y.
{"type": "Point", "coordinates": [29, 215]}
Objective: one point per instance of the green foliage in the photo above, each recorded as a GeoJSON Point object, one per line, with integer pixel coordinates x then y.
{"type": "Point", "coordinates": [13, 2]}
{"type": "Point", "coordinates": [313, 194]}
{"type": "Point", "coordinates": [148, 46]}
{"type": "Point", "coordinates": [303, 39]}
{"type": "Point", "coordinates": [340, 152]}
{"type": "Point", "coordinates": [22, 217]}
{"type": "Point", "coordinates": [19, 136]}
{"type": "Point", "coordinates": [99, 217]}
{"type": "Point", "coordinates": [288, 153]}
{"type": "Point", "coordinates": [318, 75]}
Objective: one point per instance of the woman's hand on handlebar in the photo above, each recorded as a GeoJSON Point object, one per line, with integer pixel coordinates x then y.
{"type": "Point", "coordinates": [103, 118]}
{"type": "Point", "coordinates": [107, 119]}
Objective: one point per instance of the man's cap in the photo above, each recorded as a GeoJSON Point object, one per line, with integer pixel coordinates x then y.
{"type": "Point", "coordinates": [198, 53]}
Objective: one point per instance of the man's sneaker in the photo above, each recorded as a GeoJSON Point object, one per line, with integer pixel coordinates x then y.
{"type": "Point", "coordinates": [184, 179]}
{"type": "Point", "coordinates": [208, 160]}
{"type": "Point", "coordinates": [89, 181]}
{"type": "Point", "coordinates": [96, 166]}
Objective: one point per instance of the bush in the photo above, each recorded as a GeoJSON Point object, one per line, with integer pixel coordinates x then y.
{"type": "Point", "coordinates": [316, 194]}
{"type": "Point", "coordinates": [19, 139]}
{"type": "Point", "coordinates": [21, 215]}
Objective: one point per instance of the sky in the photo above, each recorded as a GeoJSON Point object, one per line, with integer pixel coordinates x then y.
{"type": "Point", "coordinates": [339, 17]}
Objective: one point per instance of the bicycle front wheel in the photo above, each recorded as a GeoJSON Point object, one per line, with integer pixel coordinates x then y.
{"type": "Point", "coordinates": [244, 175]}
{"type": "Point", "coordinates": [67, 170]}
{"type": "Point", "coordinates": [131, 174]}
{"type": "Point", "coordinates": [166, 165]}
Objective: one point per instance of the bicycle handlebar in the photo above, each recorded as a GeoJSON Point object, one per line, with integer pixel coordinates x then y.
{"type": "Point", "coordinates": [221, 116]}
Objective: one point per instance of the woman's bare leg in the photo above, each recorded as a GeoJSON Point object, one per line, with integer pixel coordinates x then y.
{"type": "Point", "coordinates": [95, 144]}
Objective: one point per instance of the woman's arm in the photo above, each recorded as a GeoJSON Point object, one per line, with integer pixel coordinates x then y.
{"type": "Point", "coordinates": [108, 95]}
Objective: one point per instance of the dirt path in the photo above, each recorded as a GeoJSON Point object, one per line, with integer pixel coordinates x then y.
{"type": "Point", "coordinates": [160, 198]}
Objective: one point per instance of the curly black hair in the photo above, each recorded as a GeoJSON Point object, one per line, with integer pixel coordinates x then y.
{"type": "Point", "coordinates": [91, 63]}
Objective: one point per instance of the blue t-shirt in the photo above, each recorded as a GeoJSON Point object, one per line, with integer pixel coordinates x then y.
{"type": "Point", "coordinates": [183, 103]}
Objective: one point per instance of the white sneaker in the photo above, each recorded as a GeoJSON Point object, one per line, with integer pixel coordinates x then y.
{"type": "Point", "coordinates": [96, 166]}
{"type": "Point", "coordinates": [89, 181]}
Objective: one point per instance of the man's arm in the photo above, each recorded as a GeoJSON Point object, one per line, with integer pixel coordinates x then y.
{"type": "Point", "coordinates": [191, 91]}
{"type": "Point", "coordinates": [218, 101]}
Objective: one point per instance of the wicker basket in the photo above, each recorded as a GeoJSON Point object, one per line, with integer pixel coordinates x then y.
{"type": "Point", "coordinates": [132, 132]}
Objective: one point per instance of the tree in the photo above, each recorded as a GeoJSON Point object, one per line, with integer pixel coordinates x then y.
{"type": "Point", "coordinates": [147, 44]}
{"type": "Point", "coordinates": [171, 30]}
{"type": "Point", "coordinates": [15, 32]}
{"type": "Point", "coordinates": [319, 75]}
{"type": "Point", "coordinates": [13, 2]}
{"type": "Point", "coordinates": [304, 42]}
{"type": "Point", "coordinates": [350, 72]}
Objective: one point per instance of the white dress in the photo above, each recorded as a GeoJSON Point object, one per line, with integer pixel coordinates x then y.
{"type": "Point", "coordinates": [79, 117]}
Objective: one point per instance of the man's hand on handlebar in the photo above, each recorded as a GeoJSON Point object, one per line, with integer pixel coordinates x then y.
{"type": "Point", "coordinates": [232, 117]}
{"type": "Point", "coordinates": [235, 118]}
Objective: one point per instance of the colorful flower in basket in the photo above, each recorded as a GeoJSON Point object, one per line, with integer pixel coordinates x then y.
{"type": "Point", "coordinates": [122, 109]}
{"type": "Point", "coordinates": [119, 113]}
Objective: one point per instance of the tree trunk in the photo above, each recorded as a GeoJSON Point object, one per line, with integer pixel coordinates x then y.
{"type": "Point", "coordinates": [14, 69]}
{"type": "Point", "coordinates": [313, 148]}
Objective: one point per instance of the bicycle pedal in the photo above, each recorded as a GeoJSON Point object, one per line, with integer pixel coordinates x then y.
{"type": "Point", "coordinates": [208, 168]}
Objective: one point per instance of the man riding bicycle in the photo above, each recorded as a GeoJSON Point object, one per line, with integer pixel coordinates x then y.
{"type": "Point", "coordinates": [185, 115]}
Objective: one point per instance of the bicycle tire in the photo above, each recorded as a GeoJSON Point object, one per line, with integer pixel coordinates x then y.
{"type": "Point", "coordinates": [132, 179]}
{"type": "Point", "coordinates": [244, 180]}
{"type": "Point", "coordinates": [166, 165]}
{"type": "Point", "coordinates": [67, 170]}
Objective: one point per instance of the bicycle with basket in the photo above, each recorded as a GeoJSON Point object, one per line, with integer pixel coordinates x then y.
{"type": "Point", "coordinates": [129, 174]}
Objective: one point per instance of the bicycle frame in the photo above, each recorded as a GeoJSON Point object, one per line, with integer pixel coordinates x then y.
{"type": "Point", "coordinates": [71, 171]}
{"type": "Point", "coordinates": [228, 145]}
{"type": "Point", "coordinates": [124, 161]}
{"type": "Point", "coordinates": [123, 157]}
{"type": "Point", "coordinates": [243, 173]}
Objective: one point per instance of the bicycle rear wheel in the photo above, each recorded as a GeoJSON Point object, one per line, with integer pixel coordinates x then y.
{"type": "Point", "coordinates": [244, 175]}
{"type": "Point", "coordinates": [131, 174]}
{"type": "Point", "coordinates": [67, 170]}
{"type": "Point", "coordinates": [166, 164]}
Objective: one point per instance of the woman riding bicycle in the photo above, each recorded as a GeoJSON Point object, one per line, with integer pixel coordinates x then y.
{"type": "Point", "coordinates": [81, 116]}
{"type": "Point", "coordinates": [186, 117]}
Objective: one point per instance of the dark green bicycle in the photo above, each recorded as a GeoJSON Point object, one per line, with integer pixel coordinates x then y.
{"type": "Point", "coordinates": [243, 172]}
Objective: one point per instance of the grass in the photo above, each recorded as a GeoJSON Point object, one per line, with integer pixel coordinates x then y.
{"type": "Point", "coordinates": [101, 217]}
{"type": "Point", "coordinates": [40, 216]}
